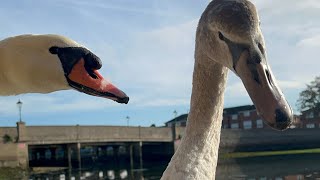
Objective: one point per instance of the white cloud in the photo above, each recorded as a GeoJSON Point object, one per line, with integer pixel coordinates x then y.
{"type": "Point", "coordinates": [164, 102]}
{"type": "Point", "coordinates": [235, 89]}
{"type": "Point", "coordinates": [310, 42]}
{"type": "Point", "coordinates": [58, 102]}
{"type": "Point", "coordinates": [159, 64]}
{"type": "Point", "coordinates": [154, 65]}
{"type": "Point", "coordinates": [166, 54]}
{"type": "Point", "coordinates": [290, 84]}
{"type": "Point", "coordinates": [130, 7]}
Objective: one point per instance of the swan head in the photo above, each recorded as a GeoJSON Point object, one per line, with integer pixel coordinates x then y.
{"type": "Point", "coordinates": [49, 63]}
{"type": "Point", "coordinates": [80, 67]}
{"type": "Point", "coordinates": [232, 35]}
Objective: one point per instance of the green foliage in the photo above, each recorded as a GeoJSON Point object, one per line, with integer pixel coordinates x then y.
{"type": "Point", "coordinates": [268, 153]}
{"type": "Point", "coordinates": [310, 97]}
{"type": "Point", "coordinates": [13, 173]}
{"type": "Point", "coordinates": [7, 139]}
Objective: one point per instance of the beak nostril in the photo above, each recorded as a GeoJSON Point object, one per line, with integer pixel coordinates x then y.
{"type": "Point", "coordinates": [92, 74]}
{"type": "Point", "coordinates": [283, 119]}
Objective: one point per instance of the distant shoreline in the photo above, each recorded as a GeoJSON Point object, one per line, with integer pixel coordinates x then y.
{"type": "Point", "coordinates": [268, 153]}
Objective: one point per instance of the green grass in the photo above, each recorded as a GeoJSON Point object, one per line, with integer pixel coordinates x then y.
{"type": "Point", "coordinates": [269, 153]}
{"type": "Point", "coordinates": [12, 174]}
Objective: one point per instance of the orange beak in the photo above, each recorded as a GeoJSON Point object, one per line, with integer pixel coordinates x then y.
{"type": "Point", "coordinates": [94, 84]}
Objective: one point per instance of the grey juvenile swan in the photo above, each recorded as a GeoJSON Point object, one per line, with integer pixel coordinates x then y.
{"type": "Point", "coordinates": [228, 37]}
{"type": "Point", "coordinates": [47, 63]}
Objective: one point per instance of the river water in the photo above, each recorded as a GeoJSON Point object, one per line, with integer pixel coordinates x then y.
{"type": "Point", "coordinates": [289, 167]}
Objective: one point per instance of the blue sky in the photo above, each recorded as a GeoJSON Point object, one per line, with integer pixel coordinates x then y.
{"type": "Point", "coordinates": [147, 51]}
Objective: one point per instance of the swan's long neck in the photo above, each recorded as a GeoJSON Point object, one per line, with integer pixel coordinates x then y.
{"type": "Point", "coordinates": [197, 156]}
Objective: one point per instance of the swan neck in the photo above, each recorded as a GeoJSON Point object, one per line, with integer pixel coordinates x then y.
{"type": "Point", "coordinates": [207, 98]}
{"type": "Point", "coordinates": [197, 155]}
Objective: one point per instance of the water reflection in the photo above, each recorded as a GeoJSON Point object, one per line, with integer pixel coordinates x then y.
{"type": "Point", "coordinates": [293, 167]}
{"type": "Point", "coordinates": [110, 171]}
{"type": "Point", "coordinates": [91, 175]}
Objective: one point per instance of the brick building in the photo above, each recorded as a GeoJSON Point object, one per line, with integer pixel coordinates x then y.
{"type": "Point", "coordinates": [180, 121]}
{"type": "Point", "coordinates": [310, 118]}
{"type": "Point", "coordinates": [240, 117]}
{"type": "Point", "coordinates": [247, 117]}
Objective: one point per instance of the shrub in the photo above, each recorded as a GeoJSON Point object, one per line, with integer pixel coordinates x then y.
{"type": "Point", "coordinates": [7, 139]}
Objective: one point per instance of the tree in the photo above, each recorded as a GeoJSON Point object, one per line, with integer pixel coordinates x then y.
{"type": "Point", "coordinates": [6, 138]}
{"type": "Point", "coordinates": [310, 97]}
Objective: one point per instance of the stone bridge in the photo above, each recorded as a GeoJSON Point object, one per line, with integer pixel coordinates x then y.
{"type": "Point", "coordinates": [33, 142]}
{"type": "Point", "coordinates": [36, 135]}
{"type": "Point", "coordinates": [156, 141]}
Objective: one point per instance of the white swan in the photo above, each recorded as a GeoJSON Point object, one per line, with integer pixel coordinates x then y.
{"type": "Point", "coordinates": [47, 63]}
{"type": "Point", "coordinates": [228, 36]}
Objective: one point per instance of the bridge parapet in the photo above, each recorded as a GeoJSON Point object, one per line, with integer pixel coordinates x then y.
{"type": "Point", "coordinates": [83, 134]}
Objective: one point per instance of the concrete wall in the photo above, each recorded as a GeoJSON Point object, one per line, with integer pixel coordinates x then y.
{"type": "Point", "coordinates": [102, 133]}
{"type": "Point", "coordinates": [258, 140]}
{"type": "Point", "coordinates": [71, 134]}
{"type": "Point", "coordinates": [229, 138]}
{"type": "Point", "coordinates": [263, 139]}
{"type": "Point", "coordinates": [14, 155]}
{"type": "Point", "coordinates": [180, 131]}
{"type": "Point", "coordinates": [232, 140]}
{"type": "Point", "coordinates": [11, 131]}
{"type": "Point", "coordinates": [47, 134]}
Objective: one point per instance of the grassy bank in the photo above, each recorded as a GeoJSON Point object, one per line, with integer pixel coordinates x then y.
{"type": "Point", "coordinates": [12, 174]}
{"type": "Point", "coordinates": [269, 153]}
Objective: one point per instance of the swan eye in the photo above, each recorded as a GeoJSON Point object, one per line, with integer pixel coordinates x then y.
{"type": "Point", "coordinates": [54, 50]}
{"type": "Point", "coordinates": [221, 37]}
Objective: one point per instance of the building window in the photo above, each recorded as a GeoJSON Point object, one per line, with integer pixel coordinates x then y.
{"type": "Point", "coordinates": [259, 123]}
{"type": "Point", "coordinates": [178, 124]}
{"type": "Point", "coordinates": [247, 124]}
{"type": "Point", "coordinates": [246, 113]}
{"type": "Point", "coordinates": [169, 124]}
{"type": "Point", "coordinates": [234, 116]}
{"type": "Point", "coordinates": [235, 126]}
{"type": "Point", "coordinates": [310, 115]}
{"type": "Point", "coordinates": [310, 126]}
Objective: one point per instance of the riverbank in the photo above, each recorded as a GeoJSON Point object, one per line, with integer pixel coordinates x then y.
{"type": "Point", "coordinates": [12, 173]}
{"type": "Point", "coordinates": [268, 153]}
{"type": "Point", "coordinates": [245, 164]}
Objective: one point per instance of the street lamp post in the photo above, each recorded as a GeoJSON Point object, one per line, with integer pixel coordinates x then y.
{"type": "Point", "coordinates": [19, 104]}
{"type": "Point", "coordinates": [174, 135]}
{"type": "Point", "coordinates": [175, 114]}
